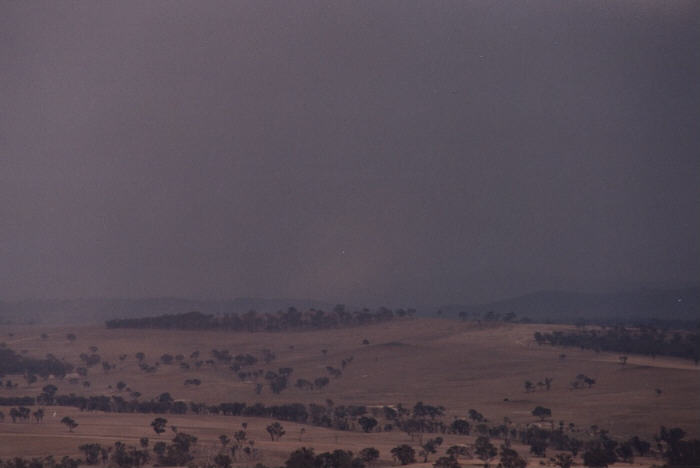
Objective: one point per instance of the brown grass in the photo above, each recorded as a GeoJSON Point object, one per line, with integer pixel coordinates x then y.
{"type": "Point", "coordinates": [440, 362]}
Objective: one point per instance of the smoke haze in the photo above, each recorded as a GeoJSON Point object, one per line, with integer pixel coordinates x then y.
{"type": "Point", "coordinates": [405, 153]}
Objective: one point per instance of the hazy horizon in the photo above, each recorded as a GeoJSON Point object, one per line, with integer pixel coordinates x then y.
{"type": "Point", "coordinates": [401, 153]}
{"type": "Point", "coordinates": [422, 307]}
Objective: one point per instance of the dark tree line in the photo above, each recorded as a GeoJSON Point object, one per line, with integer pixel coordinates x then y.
{"type": "Point", "coordinates": [422, 418]}
{"type": "Point", "coordinates": [252, 321]}
{"type": "Point", "coordinates": [648, 340]}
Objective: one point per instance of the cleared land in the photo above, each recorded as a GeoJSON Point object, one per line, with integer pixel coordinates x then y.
{"type": "Point", "coordinates": [459, 365]}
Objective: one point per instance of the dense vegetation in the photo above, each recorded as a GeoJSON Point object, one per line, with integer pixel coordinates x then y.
{"type": "Point", "coordinates": [645, 340]}
{"type": "Point", "coordinates": [13, 363]}
{"type": "Point", "coordinates": [291, 319]}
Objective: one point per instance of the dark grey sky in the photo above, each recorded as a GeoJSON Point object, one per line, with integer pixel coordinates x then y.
{"type": "Point", "coordinates": [367, 152]}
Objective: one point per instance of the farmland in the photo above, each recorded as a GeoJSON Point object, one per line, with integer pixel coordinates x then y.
{"type": "Point", "coordinates": [452, 365]}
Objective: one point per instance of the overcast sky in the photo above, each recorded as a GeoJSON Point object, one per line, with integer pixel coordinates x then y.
{"type": "Point", "coordinates": [404, 153]}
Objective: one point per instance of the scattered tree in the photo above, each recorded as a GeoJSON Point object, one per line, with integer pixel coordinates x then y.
{"type": "Point", "coordinates": [275, 430]}
{"type": "Point", "coordinates": [158, 425]}
{"type": "Point", "coordinates": [542, 412]}
{"type": "Point", "coordinates": [69, 423]}
{"type": "Point", "coordinates": [430, 447]}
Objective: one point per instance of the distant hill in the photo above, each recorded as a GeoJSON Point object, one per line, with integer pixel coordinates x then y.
{"type": "Point", "coordinates": [562, 306]}
{"type": "Point", "coordinates": [71, 311]}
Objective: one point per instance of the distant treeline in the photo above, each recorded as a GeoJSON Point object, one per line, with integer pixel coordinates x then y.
{"type": "Point", "coordinates": [291, 319]}
{"type": "Point", "coordinates": [646, 340]}
{"type": "Point", "coordinates": [14, 363]}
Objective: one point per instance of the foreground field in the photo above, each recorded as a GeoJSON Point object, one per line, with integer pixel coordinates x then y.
{"type": "Point", "coordinates": [457, 365]}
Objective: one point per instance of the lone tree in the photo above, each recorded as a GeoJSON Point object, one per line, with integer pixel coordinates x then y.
{"type": "Point", "coordinates": [159, 424]}
{"type": "Point", "coordinates": [404, 454]}
{"type": "Point", "coordinates": [542, 412]}
{"type": "Point", "coordinates": [275, 430]}
{"type": "Point", "coordinates": [69, 422]}
{"type": "Point", "coordinates": [321, 382]}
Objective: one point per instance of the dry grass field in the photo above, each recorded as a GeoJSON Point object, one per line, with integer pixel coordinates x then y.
{"type": "Point", "coordinates": [459, 365]}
